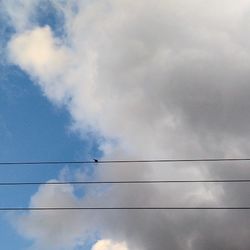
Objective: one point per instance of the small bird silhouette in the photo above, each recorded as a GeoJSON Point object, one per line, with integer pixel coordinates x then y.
{"type": "Point", "coordinates": [95, 160]}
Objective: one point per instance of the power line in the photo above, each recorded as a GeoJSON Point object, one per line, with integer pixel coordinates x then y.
{"type": "Point", "coordinates": [123, 182]}
{"type": "Point", "coordinates": [123, 161]}
{"type": "Point", "coordinates": [120, 208]}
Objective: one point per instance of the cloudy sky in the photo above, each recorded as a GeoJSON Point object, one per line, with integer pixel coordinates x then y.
{"type": "Point", "coordinates": [124, 79]}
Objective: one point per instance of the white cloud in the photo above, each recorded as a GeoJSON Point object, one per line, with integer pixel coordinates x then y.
{"type": "Point", "coordinates": [50, 229]}
{"type": "Point", "coordinates": [38, 52]}
{"type": "Point", "coordinates": [165, 79]}
{"type": "Point", "coordinates": [109, 245]}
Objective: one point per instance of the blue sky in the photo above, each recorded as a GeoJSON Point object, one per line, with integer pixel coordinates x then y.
{"type": "Point", "coordinates": [31, 129]}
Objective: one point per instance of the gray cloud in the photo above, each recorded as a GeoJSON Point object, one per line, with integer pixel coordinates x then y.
{"type": "Point", "coordinates": [166, 79]}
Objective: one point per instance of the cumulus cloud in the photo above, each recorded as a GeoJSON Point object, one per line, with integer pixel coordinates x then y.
{"type": "Point", "coordinates": [166, 79]}
{"type": "Point", "coordinates": [109, 245]}
{"type": "Point", "coordinates": [49, 229]}
{"type": "Point", "coordinates": [38, 52]}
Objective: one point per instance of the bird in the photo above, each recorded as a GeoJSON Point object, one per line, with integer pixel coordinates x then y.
{"type": "Point", "coordinates": [95, 160]}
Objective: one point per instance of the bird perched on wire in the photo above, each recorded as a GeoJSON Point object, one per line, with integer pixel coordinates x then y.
{"type": "Point", "coordinates": [95, 160]}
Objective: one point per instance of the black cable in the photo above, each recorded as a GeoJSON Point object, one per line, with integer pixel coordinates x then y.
{"type": "Point", "coordinates": [123, 161]}
{"type": "Point", "coordinates": [119, 208]}
{"type": "Point", "coordinates": [123, 182]}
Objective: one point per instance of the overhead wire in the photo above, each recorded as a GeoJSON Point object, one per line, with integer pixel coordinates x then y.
{"type": "Point", "coordinates": [123, 182]}
{"type": "Point", "coordinates": [122, 208]}
{"type": "Point", "coordinates": [122, 161]}
{"type": "Point", "coordinates": [94, 161]}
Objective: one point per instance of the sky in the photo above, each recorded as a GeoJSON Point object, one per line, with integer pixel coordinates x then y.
{"type": "Point", "coordinates": [123, 79]}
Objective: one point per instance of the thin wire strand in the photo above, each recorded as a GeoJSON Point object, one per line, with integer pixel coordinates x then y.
{"type": "Point", "coordinates": [123, 161]}
{"type": "Point", "coordinates": [123, 182]}
{"type": "Point", "coordinates": [121, 208]}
